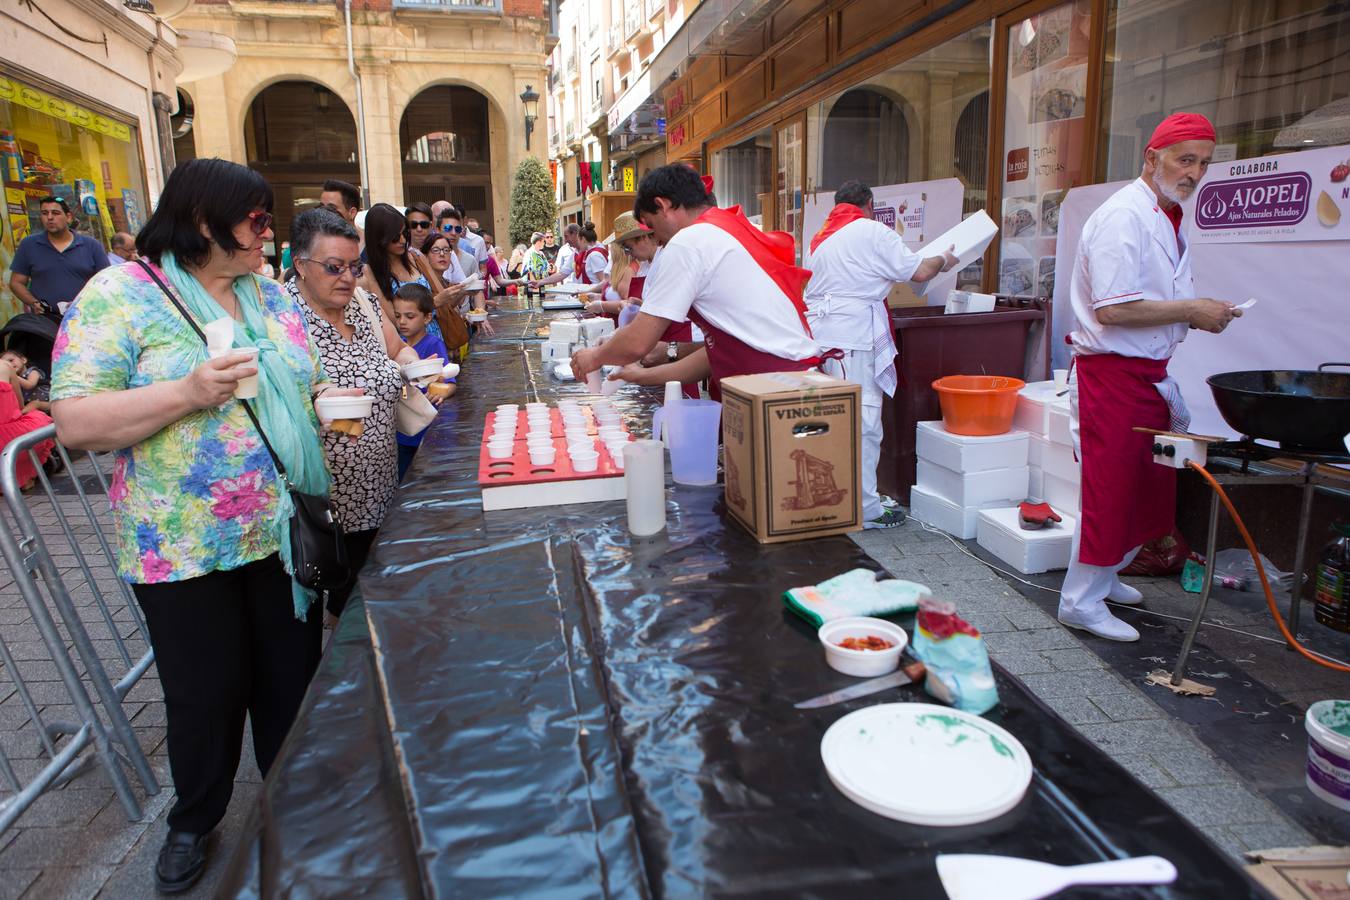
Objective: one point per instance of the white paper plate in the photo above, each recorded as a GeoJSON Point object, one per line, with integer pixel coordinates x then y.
{"type": "Point", "coordinates": [562, 303]}
{"type": "Point", "coordinates": [926, 764]}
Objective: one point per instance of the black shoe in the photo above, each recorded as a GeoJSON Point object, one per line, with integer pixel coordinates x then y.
{"type": "Point", "coordinates": [181, 862]}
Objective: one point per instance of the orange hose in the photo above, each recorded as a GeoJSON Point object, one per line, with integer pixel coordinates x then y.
{"type": "Point", "coordinates": [1261, 571]}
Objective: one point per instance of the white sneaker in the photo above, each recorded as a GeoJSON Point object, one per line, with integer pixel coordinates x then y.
{"type": "Point", "coordinates": [1107, 626]}
{"type": "Point", "coordinates": [1124, 594]}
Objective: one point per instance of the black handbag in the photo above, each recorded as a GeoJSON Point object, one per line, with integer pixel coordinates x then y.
{"type": "Point", "coordinates": [318, 551]}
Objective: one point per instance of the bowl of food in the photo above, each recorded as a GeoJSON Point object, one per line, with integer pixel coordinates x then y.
{"type": "Point", "coordinates": [344, 414]}
{"type": "Point", "coordinates": [862, 646]}
{"type": "Point", "coordinates": [477, 315]}
{"type": "Point", "coordinates": [424, 371]}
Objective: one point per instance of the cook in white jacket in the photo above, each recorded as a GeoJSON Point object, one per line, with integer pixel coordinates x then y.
{"type": "Point", "coordinates": [854, 261]}
{"type": "Point", "coordinates": [1133, 300]}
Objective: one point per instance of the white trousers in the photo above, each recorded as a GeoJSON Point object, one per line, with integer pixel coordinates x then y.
{"type": "Point", "coordinates": [857, 368]}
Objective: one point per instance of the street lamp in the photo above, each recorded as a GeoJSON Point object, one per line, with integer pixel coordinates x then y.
{"type": "Point", "coordinates": [530, 97]}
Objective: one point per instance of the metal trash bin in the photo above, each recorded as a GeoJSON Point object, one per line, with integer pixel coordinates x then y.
{"type": "Point", "coordinates": [932, 345]}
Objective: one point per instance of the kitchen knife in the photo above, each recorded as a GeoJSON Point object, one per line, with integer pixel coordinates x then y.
{"type": "Point", "coordinates": [911, 671]}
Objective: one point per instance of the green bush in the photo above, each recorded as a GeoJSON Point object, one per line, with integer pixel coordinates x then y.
{"type": "Point", "coordinates": [532, 205]}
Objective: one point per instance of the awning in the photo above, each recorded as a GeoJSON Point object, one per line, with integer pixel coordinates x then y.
{"type": "Point", "coordinates": [713, 26]}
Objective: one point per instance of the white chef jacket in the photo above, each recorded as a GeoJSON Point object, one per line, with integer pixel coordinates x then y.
{"type": "Point", "coordinates": [567, 262]}
{"type": "Point", "coordinates": [1129, 251]}
{"type": "Point", "coordinates": [703, 267]}
{"type": "Point", "coordinates": [851, 275]}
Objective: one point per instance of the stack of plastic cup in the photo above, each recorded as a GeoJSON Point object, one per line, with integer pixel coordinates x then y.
{"type": "Point", "coordinates": [542, 454]}
{"type": "Point", "coordinates": [583, 455]}
{"type": "Point", "coordinates": [607, 416]}
{"type": "Point", "coordinates": [615, 448]}
{"type": "Point", "coordinates": [611, 432]}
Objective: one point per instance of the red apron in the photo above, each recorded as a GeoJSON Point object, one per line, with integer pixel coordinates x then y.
{"type": "Point", "coordinates": [677, 333]}
{"type": "Point", "coordinates": [581, 262]}
{"type": "Point", "coordinates": [1128, 499]}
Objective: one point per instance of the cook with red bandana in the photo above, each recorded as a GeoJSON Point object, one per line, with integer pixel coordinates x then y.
{"type": "Point", "coordinates": [740, 285]}
{"type": "Point", "coordinates": [1133, 300]}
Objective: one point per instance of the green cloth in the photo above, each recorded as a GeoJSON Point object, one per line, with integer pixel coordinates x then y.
{"type": "Point", "coordinates": [279, 405]}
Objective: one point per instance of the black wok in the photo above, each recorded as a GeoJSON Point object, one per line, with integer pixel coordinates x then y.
{"type": "Point", "coordinates": [1301, 410]}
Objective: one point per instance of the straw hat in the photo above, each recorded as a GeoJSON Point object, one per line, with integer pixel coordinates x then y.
{"type": "Point", "coordinates": [627, 227]}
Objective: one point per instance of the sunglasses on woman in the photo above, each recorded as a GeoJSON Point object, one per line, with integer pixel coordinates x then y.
{"type": "Point", "coordinates": [336, 270]}
{"type": "Point", "coordinates": [452, 229]}
{"type": "Point", "coordinates": [259, 222]}
{"type": "Point", "coordinates": [419, 223]}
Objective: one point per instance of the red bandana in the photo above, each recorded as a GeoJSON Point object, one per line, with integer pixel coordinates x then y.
{"type": "Point", "coordinates": [841, 215]}
{"type": "Point", "coordinates": [774, 251]}
{"type": "Point", "coordinates": [1180, 127]}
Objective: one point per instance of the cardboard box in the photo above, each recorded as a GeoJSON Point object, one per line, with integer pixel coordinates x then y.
{"type": "Point", "coordinates": [792, 447]}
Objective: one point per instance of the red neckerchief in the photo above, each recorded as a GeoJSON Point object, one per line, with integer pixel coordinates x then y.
{"type": "Point", "coordinates": [774, 252]}
{"type": "Point", "coordinates": [580, 262]}
{"type": "Point", "coordinates": [841, 215]}
{"type": "Point", "coordinates": [1173, 214]}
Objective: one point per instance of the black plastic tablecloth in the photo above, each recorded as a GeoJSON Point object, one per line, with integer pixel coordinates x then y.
{"type": "Point", "coordinates": [533, 703]}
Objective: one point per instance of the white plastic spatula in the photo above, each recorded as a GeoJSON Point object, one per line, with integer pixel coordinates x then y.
{"type": "Point", "coordinates": [973, 876]}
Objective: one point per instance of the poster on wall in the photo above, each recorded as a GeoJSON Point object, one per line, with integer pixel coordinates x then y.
{"type": "Point", "coordinates": [1044, 132]}
{"type": "Point", "coordinates": [919, 212]}
{"type": "Point", "coordinates": [1302, 196]}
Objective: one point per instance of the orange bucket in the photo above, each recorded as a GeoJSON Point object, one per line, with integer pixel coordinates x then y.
{"type": "Point", "coordinates": [978, 404]}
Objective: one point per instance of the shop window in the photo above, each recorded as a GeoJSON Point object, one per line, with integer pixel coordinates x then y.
{"type": "Point", "coordinates": [299, 122]}
{"type": "Point", "coordinates": [1272, 77]}
{"type": "Point", "coordinates": [743, 175]}
{"type": "Point", "coordinates": [866, 137]}
{"type": "Point", "coordinates": [184, 141]}
{"type": "Point", "coordinates": [445, 144]}
{"type": "Point", "coordinates": [924, 119]}
{"type": "Point", "coordinates": [1044, 140]}
{"type": "Point", "coordinates": [50, 144]}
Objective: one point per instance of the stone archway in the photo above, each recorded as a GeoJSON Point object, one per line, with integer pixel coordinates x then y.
{"type": "Point", "coordinates": [298, 133]}
{"type": "Point", "coordinates": [866, 137]}
{"type": "Point", "coordinates": [445, 145]}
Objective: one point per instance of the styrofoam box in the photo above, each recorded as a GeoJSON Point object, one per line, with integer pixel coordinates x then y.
{"type": "Point", "coordinates": [974, 488]}
{"type": "Point", "coordinates": [555, 350]}
{"type": "Point", "coordinates": [593, 329]}
{"type": "Point", "coordinates": [958, 521]}
{"type": "Point", "coordinates": [1057, 423]}
{"type": "Point", "coordinates": [1029, 552]}
{"type": "Point", "coordinates": [1033, 403]}
{"type": "Point", "coordinates": [1036, 484]}
{"type": "Point", "coordinates": [1061, 494]}
{"type": "Point", "coordinates": [1056, 459]}
{"type": "Point", "coordinates": [964, 453]}
{"type": "Point", "coordinates": [568, 330]}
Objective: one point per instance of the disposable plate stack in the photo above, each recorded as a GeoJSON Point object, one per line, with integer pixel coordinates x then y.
{"type": "Point", "coordinates": [960, 475]}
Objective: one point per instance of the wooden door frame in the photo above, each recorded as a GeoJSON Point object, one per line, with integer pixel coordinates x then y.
{"type": "Point", "coordinates": [798, 118]}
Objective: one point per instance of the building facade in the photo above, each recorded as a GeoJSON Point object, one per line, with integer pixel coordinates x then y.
{"type": "Point", "coordinates": [432, 96]}
{"type": "Point", "coordinates": [604, 111]}
{"type": "Point", "coordinates": [86, 91]}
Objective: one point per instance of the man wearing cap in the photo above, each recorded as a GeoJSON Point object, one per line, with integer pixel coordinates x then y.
{"type": "Point", "coordinates": [739, 284]}
{"type": "Point", "coordinates": [854, 261]}
{"type": "Point", "coordinates": [1133, 300]}
{"type": "Point", "coordinates": [52, 266]}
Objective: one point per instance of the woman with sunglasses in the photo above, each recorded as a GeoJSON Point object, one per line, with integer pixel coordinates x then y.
{"type": "Point", "coordinates": [359, 348]}
{"type": "Point", "coordinates": [392, 260]}
{"type": "Point", "coordinates": [201, 516]}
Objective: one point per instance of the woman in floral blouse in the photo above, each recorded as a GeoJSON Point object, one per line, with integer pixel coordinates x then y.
{"type": "Point", "coordinates": [199, 510]}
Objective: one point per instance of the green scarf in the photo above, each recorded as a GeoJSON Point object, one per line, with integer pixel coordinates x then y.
{"type": "Point", "coordinates": [279, 406]}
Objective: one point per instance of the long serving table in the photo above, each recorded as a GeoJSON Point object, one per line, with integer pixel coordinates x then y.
{"type": "Point", "coordinates": [534, 703]}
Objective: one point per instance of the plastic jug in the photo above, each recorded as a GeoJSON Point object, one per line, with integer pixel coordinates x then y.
{"type": "Point", "coordinates": [692, 431]}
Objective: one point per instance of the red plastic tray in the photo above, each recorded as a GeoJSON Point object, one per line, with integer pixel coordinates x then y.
{"type": "Point", "coordinates": [519, 470]}
{"type": "Point", "coordinates": [555, 418]}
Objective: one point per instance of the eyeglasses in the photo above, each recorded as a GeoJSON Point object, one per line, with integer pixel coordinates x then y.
{"type": "Point", "coordinates": [419, 223]}
{"type": "Point", "coordinates": [337, 270]}
{"type": "Point", "coordinates": [439, 250]}
{"type": "Point", "coordinates": [452, 229]}
{"type": "Point", "coordinates": [259, 222]}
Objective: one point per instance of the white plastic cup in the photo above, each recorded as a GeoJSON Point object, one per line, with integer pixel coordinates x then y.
{"type": "Point", "coordinates": [584, 460]}
{"type": "Point", "coordinates": [609, 432]}
{"type": "Point", "coordinates": [543, 456]}
{"type": "Point", "coordinates": [245, 388]}
{"type": "Point", "coordinates": [500, 450]}
{"type": "Point", "coordinates": [594, 381]}
{"type": "Point", "coordinates": [1061, 378]}
{"type": "Point", "coordinates": [674, 393]}
{"type": "Point", "coordinates": [581, 446]}
{"type": "Point", "coordinates": [539, 440]}
{"type": "Point", "coordinates": [508, 409]}
{"type": "Point", "coordinates": [537, 404]}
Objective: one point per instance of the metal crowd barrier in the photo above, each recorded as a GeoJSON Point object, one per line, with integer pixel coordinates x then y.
{"type": "Point", "coordinates": [97, 699]}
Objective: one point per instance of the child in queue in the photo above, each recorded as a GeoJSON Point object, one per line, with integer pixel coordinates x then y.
{"type": "Point", "coordinates": [414, 309]}
{"type": "Point", "coordinates": [25, 380]}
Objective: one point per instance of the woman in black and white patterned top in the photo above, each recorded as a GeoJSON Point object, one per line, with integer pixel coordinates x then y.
{"type": "Point", "coordinates": [343, 323]}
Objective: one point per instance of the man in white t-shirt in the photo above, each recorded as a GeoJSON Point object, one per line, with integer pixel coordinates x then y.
{"type": "Point", "coordinates": [565, 266]}
{"type": "Point", "coordinates": [735, 282]}
{"type": "Point", "coordinates": [854, 261]}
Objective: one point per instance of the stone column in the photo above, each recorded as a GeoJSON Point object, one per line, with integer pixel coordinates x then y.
{"type": "Point", "coordinates": [941, 123]}
{"type": "Point", "coordinates": [384, 107]}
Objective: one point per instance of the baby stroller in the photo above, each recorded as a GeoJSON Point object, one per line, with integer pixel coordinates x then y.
{"type": "Point", "coordinates": [33, 335]}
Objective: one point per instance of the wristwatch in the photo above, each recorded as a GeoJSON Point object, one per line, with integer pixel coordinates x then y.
{"type": "Point", "coordinates": [672, 351]}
